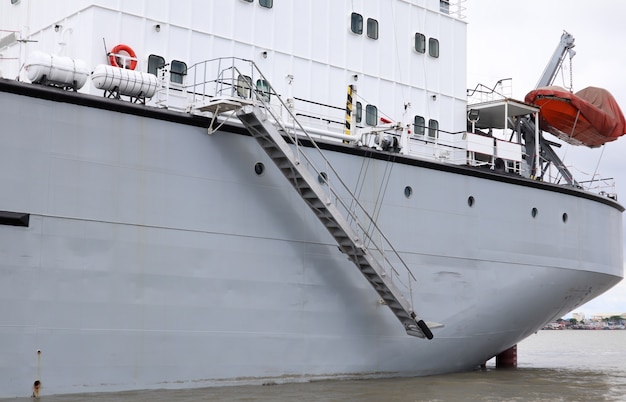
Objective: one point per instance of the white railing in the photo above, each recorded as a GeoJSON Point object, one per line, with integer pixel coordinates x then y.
{"type": "Point", "coordinates": [503, 89]}
{"type": "Point", "coordinates": [221, 77]}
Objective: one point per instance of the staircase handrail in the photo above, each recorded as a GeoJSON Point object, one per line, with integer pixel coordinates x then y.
{"type": "Point", "coordinates": [293, 137]}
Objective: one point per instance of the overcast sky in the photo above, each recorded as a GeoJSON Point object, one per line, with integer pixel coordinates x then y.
{"type": "Point", "coordinates": [516, 40]}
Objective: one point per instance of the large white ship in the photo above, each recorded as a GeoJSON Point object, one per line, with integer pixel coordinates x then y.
{"type": "Point", "coordinates": [201, 193]}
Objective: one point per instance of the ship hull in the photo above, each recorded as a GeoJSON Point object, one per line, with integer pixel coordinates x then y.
{"type": "Point", "coordinates": [156, 257]}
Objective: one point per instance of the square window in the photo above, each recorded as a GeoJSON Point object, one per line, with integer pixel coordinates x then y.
{"type": "Point", "coordinates": [433, 47]}
{"type": "Point", "coordinates": [266, 3]}
{"type": "Point", "coordinates": [433, 128]}
{"type": "Point", "coordinates": [418, 125]}
{"type": "Point", "coordinates": [356, 23]}
{"type": "Point", "coordinates": [372, 28]}
{"type": "Point", "coordinates": [420, 43]}
{"type": "Point", "coordinates": [371, 115]}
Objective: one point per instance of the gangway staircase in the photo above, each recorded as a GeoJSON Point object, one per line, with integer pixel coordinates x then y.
{"type": "Point", "coordinates": [266, 127]}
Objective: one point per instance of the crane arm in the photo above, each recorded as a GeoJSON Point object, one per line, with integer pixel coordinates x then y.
{"type": "Point", "coordinates": [565, 46]}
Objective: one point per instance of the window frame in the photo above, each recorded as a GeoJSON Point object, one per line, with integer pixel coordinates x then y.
{"type": "Point", "coordinates": [263, 90]}
{"type": "Point", "coordinates": [356, 25]}
{"type": "Point", "coordinates": [373, 32]}
{"type": "Point", "coordinates": [433, 47]}
{"type": "Point", "coordinates": [178, 71]}
{"type": "Point", "coordinates": [444, 6]}
{"type": "Point", "coordinates": [433, 128]}
{"type": "Point", "coordinates": [155, 62]}
{"type": "Point", "coordinates": [419, 129]}
{"type": "Point", "coordinates": [359, 112]}
{"type": "Point", "coordinates": [244, 86]}
{"type": "Point", "coordinates": [371, 115]}
{"type": "Point", "coordinates": [422, 42]}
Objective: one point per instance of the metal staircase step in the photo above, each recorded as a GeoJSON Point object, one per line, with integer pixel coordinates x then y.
{"type": "Point", "coordinates": [271, 140]}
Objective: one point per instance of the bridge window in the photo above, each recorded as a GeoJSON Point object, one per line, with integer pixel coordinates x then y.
{"type": "Point", "coordinates": [419, 125]}
{"type": "Point", "coordinates": [266, 3]}
{"type": "Point", "coordinates": [433, 47]}
{"type": "Point", "coordinates": [420, 43]}
{"type": "Point", "coordinates": [356, 23]}
{"type": "Point", "coordinates": [371, 115]}
{"type": "Point", "coordinates": [433, 128]}
{"type": "Point", "coordinates": [372, 28]}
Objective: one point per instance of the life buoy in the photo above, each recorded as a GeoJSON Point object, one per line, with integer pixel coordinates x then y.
{"type": "Point", "coordinates": [123, 48]}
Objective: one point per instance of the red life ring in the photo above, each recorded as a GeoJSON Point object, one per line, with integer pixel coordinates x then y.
{"type": "Point", "coordinates": [123, 48]}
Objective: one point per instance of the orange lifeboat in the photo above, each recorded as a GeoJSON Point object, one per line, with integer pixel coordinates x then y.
{"type": "Point", "coordinates": [589, 117]}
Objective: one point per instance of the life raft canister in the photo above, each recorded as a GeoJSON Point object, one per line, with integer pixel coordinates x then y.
{"type": "Point", "coordinates": [123, 48]}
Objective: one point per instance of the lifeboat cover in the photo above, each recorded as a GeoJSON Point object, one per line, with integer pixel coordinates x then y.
{"type": "Point", "coordinates": [589, 117]}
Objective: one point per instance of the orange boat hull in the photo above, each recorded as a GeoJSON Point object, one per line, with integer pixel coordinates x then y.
{"type": "Point", "coordinates": [590, 117]}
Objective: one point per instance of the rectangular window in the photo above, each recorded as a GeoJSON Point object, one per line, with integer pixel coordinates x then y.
{"type": "Point", "coordinates": [444, 6]}
{"type": "Point", "coordinates": [418, 125]}
{"type": "Point", "coordinates": [263, 89]}
{"type": "Point", "coordinates": [420, 43]}
{"type": "Point", "coordinates": [433, 128]}
{"type": "Point", "coordinates": [371, 115]}
{"type": "Point", "coordinates": [433, 47]}
{"type": "Point", "coordinates": [178, 71]}
{"type": "Point", "coordinates": [266, 3]}
{"type": "Point", "coordinates": [154, 63]}
{"type": "Point", "coordinates": [244, 83]}
{"type": "Point", "coordinates": [372, 28]}
{"type": "Point", "coordinates": [356, 23]}
{"type": "Point", "coordinates": [359, 112]}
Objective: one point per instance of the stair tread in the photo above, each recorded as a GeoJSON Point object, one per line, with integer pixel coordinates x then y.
{"type": "Point", "coordinates": [270, 141]}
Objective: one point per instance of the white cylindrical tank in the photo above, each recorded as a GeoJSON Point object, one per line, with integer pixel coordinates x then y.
{"type": "Point", "coordinates": [47, 69]}
{"type": "Point", "coordinates": [126, 82]}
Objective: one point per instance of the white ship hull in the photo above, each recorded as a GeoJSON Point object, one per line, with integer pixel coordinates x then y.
{"type": "Point", "coordinates": [155, 257]}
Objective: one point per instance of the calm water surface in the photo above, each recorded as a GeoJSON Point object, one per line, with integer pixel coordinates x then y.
{"type": "Point", "coordinates": [552, 366]}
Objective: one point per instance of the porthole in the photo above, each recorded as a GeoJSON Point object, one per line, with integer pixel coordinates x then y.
{"type": "Point", "coordinates": [259, 168]}
{"type": "Point", "coordinates": [322, 178]}
{"type": "Point", "coordinates": [565, 217]}
{"type": "Point", "coordinates": [470, 201]}
{"type": "Point", "coordinates": [408, 191]}
{"type": "Point", "coordinates": [534, 212]}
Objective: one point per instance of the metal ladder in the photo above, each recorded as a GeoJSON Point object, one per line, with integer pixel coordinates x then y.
{"type": "Point", "coordinates": [313, 187]}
